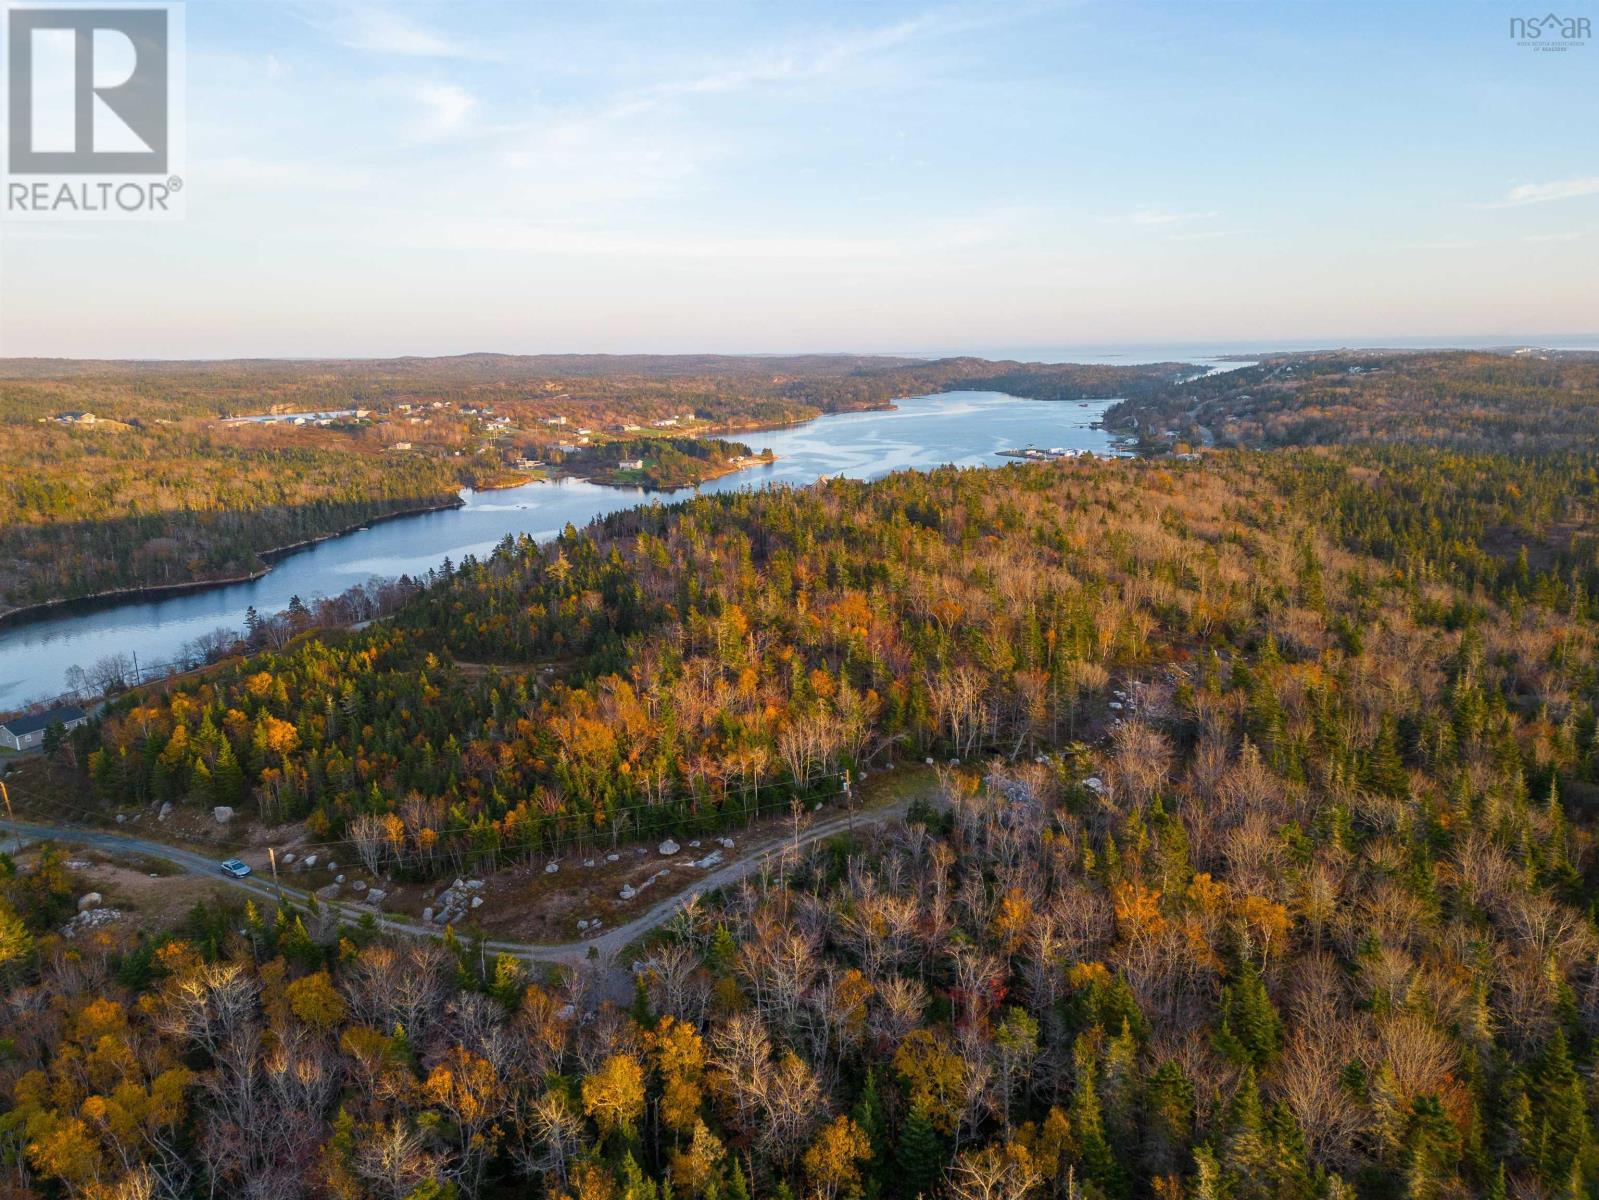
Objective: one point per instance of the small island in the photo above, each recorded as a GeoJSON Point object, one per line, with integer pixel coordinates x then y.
{"type": "Point", "coordinates": [662, 463]}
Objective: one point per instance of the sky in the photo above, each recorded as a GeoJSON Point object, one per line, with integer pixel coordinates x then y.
{"type": "Point", "coordinates": [371, 179]}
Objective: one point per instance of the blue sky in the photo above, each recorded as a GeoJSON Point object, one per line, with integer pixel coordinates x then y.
{"type": "Point", "coordinates": [368, 179]}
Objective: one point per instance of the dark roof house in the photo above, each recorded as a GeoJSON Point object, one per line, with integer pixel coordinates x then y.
{"type": "Point", "coordinates": [25, 732]}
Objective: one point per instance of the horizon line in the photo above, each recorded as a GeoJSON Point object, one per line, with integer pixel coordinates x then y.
{"type": "Point", "coordinates": [1231, 347]}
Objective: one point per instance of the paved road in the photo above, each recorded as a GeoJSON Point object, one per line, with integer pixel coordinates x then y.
{"type": "Point", "coordinates": [606, 944]}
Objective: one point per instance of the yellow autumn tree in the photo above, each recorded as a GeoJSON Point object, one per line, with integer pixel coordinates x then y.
{"type": "Point", "coordinates": [1012, 918]}
{"type": "Point", "coordinates": [833, 1162]}
{"type": "Point", "coordinates": [678, 1056]}
{"type": "Point", "coordinates": [695, 1168]}
{"type": "Point", "coordinates": [934, 1078]}
{"type": "Point", "coordinates": [614, 1094]}
{"type": "Point", "coordinates": [315, 1001]}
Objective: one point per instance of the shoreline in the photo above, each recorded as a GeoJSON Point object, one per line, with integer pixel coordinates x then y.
{"type": "Point", "coordinates": [110, 598]}
{"type": "Point", "coordinates": [270, 557]}
{"type": "Point", "coordinates": [505, 487]}
{"type": "Point", "coordinates": [720, 472]}
{"type": "Point", "coordinates": [277, 553]}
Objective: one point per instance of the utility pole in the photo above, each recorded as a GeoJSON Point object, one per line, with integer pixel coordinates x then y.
{"type": "Point", "coordinates": [272, 857]}
{"type": "Point", "coordinates": [135, 668]}
{"type": "Point", "coordinates": [849, 802]}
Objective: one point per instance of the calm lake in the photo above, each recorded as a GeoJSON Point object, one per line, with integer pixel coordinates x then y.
{"type": "Point", "coordinates": [966, 428]}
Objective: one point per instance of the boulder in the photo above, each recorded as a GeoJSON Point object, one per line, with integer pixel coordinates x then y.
{"type": "Point", "coordinates": [90, 900]}
{"type": "Point", "coordinates": [427, 916]}
{"type": "Point", "coordinates": [376, 895]}
{"type": "Point", "coordinates": [713, 859]}
{"type": "Point", "coordinates": [613, 858]}
{"type": "Point", "coordinates": [122, 819]}
{"type": "Point", "coordinates": [222, 813]}
{"type": "Point", "coordinates": [551, 868]}
{"type": "Point", "coordinates": [288, 857]}
{"type": "Point", "coordinates": [328, 891]}
{"type": "Point", "coordinates": [94, 918]}
{"type": "Point", "coordinates": [588, 862]}
{"type": "Point", "coordinates": [693, 845]}
{"type": "Point", "coordinates": [582, 925]}
{"type": "Point", "coordinates": [359, 885]}
{"type": "Point", "coordinates": [332, 866]}
{"type": "Point", "coordinates": [474, 884]}
{"type": "Point", "coordinates": [727, 843]}
{"type": "Point", "coordinates": [627, 892]}
{"type": "Point", "coordinates": [338, 879]}
{"type": "Point", "coordinates": [166, 811]}
{"type": "Point", "coordinates": [669, 847]}
{"type": "Point", "coordinates": [309, 860]}
{"type": "Point", "coordinates": [477, 901]}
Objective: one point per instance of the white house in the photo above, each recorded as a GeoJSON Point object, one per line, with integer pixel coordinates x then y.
{"type": "Point", "coordinates": [24, 733]}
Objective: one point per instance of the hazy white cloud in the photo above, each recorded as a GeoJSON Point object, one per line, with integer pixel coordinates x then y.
{"type": "Point", "coordinates": [1165, 216]}
{"type": "Point", "coordinates": [1556, 237]}
{"type": "Point", "coordinates": [810, 61]}
{"type": "Point", "coordinates": [445, 106]}
{"type": "Point", "coordinates": [1542, 193]}
{"type": "Point", "coordinates": [378, 30]}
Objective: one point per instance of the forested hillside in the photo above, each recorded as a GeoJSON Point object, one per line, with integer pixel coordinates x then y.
{"type": "Point", "coordinates": [157, 491]}
{"type": "Point", "coordinates": [1503, 403]}
{"type": "Point", "coordinates": [95, 511]}
{"type": "Point", "coordinates": [1267, 868]}
{"type": "Point", "coordinates": [588, 386]}
{"type": "Point", "coordinates": [1297, 901]}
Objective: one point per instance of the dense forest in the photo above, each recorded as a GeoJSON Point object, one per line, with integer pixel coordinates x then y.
{"type": "Point", "coordinates": [759, 389]}
{"type": "Point", "coordinates": [157, 492]}
{"type": "Point", "coordinates": [95, 511]}
{"type": "Point", "coordinates": [1522, 403]}
{"type": "Point", "coordinates": [1266, 868]}
{"type": "Point", "coordinates": [660, 463]}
